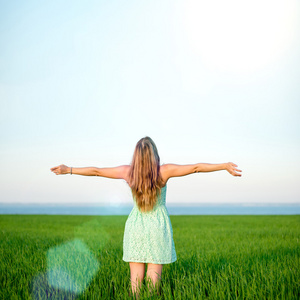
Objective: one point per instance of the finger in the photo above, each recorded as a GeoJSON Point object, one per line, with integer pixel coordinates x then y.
{"type": "Point", "coordinates": [239, 170]}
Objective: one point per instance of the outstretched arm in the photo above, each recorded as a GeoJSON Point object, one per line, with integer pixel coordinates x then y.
{"type": "Point", "coordinates": [116, 172]}
{"type": "Point", "coordinates": [230, 167]}
{"type": "Point", "coordinates": [172, 170]}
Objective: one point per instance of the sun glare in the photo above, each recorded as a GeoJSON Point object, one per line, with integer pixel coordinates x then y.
{"type": "Point", "coordinates": [239, 36]}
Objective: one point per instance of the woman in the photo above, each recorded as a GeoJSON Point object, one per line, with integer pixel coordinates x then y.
{"type": "Point", "coordinates": [148, 235]}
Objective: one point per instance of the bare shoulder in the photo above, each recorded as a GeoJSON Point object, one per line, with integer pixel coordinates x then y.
{"type": "Point", "coordinates": [164, 170]}
{"type": "Point", "coordinates": [125, 169]}
{"type": "Point", "coordinates": [174, 170]}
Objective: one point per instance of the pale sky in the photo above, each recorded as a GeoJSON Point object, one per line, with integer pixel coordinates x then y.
{"type": "Point", "coordinates": [209, 81]}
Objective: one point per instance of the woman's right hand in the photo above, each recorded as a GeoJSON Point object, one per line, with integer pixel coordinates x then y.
{"type": "Point", "coordinates": [61, 169]}
{"type": "Point", "coordinates": [231, 168]}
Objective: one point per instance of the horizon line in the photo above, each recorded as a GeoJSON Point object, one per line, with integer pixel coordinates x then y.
{"type": "Point", "coordinates": [171, 204]}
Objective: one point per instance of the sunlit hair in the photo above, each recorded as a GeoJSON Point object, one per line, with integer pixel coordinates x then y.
{"type": "Point", "coordinates": [144, 175]}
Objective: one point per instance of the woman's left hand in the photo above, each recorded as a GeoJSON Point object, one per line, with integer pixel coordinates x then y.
{"type": "Point", "coordinates": [59, 170]}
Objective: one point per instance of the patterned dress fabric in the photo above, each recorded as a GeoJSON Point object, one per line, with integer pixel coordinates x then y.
{"type": "Point", "coordinates": [148, 236]}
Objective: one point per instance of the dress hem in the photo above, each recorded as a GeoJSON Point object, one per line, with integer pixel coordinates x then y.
{"type": "Point", "coordinates": [148, 262]}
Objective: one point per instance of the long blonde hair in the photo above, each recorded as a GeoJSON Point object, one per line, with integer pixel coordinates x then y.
{"type": "Point", "coordinates": [145, 178]}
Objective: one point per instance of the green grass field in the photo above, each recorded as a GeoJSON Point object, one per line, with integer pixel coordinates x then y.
{"type": "Point", "coordinates": [218, 257]}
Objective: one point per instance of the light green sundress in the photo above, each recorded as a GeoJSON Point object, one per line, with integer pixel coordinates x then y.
{"type": "Point", "coordinates": [148, 236]}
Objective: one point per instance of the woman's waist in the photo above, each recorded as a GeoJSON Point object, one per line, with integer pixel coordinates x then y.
{"type": "Point", "coordinates": [157, 207]}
